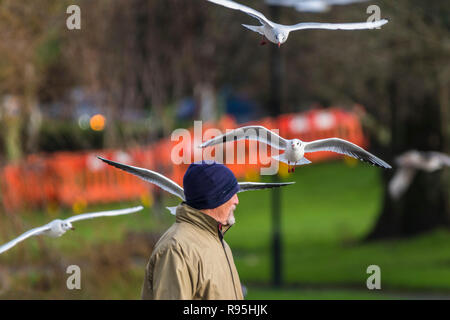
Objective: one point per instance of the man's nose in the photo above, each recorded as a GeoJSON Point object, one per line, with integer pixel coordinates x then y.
{"type": "Point", "coordinates": [236, 201]}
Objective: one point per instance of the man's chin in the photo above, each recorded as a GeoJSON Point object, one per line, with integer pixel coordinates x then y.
{"type": "Point", "coordinates": [231, 221]}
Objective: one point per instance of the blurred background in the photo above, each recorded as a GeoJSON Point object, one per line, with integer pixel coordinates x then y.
{"type": "Point", "coordinates": [139, 69]}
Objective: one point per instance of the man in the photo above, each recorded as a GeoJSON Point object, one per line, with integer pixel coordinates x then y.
{"type": "Point", "coordinates": [192, 260]}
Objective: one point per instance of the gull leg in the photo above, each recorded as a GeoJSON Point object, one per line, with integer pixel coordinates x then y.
{"type": "Point", "coordinates": [263, 41]}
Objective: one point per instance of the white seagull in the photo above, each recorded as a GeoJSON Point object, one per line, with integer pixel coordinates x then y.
{"type": "Point", "coordinates": [316, 6]}
{"type": "Point", "coordinates": [295, 149]}
{"type": "Point", "coordinates": [408, 163]}
{"type": "Point", "coordinates": [278, 33]}
{"type": "Point", "coordinates": [173, 188]}
{"type": "Point", "coordinates": [57, 228]}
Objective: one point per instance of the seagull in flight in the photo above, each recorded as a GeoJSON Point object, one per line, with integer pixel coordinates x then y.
{"type": "Point", "coordinates": [295, 149]}
{"type": "Point", "coordinates": [408, 163]}
{"type": "Point", "coordinates": [278, 33]}
{"type": "Point", "coordinates": [316, 6]}
{"type": "Point", "coordinates": [57, 228]}
{"type": "Point", "coordinates": [173, 188]}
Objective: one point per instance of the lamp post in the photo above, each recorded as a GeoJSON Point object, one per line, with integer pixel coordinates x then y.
{"type": "Point", "coordinates": [275, 110]}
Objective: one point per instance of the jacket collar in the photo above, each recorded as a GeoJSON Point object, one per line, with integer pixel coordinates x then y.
{"type": "Point", "coordinates": [196, 217]}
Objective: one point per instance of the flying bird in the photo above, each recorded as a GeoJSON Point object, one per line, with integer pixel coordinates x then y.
{"type": "Point", "coordinates": [173, 188]}
{"type": "Point", "coordinates": [57, 228]}
{"type": "Point", "coordinates": [295, 149]}
{"type": "Point", "coordinates": [279, 33]}
{"type": "Point", "coordinates": [316, 6]}
{"type": "Point", "coordinates": [408, 163]}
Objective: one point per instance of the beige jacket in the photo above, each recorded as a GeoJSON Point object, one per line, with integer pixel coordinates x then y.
{"type": "Point", "coordinates": [192, 261]}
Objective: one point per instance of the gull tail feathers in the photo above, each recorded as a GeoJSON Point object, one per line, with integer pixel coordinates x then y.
{"type": "Point", "coordinates": [302, 161]}
{"type": "Point", "coordinates": [282, 158]}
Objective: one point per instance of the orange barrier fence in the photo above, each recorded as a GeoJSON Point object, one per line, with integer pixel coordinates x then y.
{"type": "Point", "coordinates": [66, 178]}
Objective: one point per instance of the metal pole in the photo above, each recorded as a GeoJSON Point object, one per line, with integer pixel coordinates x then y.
{"type": "Point", "coordinates": [275, 110]}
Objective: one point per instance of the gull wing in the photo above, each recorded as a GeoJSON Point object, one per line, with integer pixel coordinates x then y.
{"type": "Point", "coordinates": [110, 213]}
{"type": "Point", "coordinates": [336, 26]}
{"type": "Point", "coordinates": [343, 2]}
{"type": "Point", "coordinates": [248, 186]}
{"type": "Point", "coordinates": [412, 158]}
{"type": "Point", "coordinates": [258, 133]}
{"type": "Point", "coordinates": [443, 158]}
{"type": "Point", "coordinates": [150, 176]}
{"type": "Point", "coordinates": [345, 147]}
{"type": "Point", "coordinates": [400, 182]}
{"type": "Point", "coordinates": [26, 235]}
{"type": "Point", "coordinates": [251, 12]}
{"type": "Point", "coordinates": [245, 186]}
{"type": "Point", "coordinates": [172, 210]}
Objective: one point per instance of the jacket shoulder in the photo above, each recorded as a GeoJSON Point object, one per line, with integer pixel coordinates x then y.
{"type": "Point", "coordinates": [185, 239]}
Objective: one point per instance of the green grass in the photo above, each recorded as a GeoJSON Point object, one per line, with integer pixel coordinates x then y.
{"type": "Point", "coordinates": [325, 215]}
{"type": "Point", "coordinates": [329, 205]}
{"type": "Point", "coordinates": [257, 293]}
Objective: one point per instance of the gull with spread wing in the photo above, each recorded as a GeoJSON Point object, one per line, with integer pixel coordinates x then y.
{"type": "Point", "coordinates": [316, 6]}
{"type": "Point", "coordinates": [278, 33]}
{"type": "Point", "coordinates": [408, 163]}
{"type": "Point", "coordinates": [173, 188]}
{"type": "Point", "coordinates": [58, 227]}
{"type": "Point", "coordinates": [295, 149]}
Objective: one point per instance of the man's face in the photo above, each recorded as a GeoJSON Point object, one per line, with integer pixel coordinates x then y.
{"type": "Point", "coordinates": [225, 212]}
{"type": "Point", "coordinates": [232, 203]}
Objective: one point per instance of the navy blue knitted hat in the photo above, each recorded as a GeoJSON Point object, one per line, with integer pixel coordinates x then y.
{"type": "Point", "coordinates": [208, 185]}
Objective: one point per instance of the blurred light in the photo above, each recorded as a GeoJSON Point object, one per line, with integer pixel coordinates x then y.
{"type": "Point", "coordinates": [93, 163]}
{"type": "Point", "coordinates": [325, 120]}
{"type": "Point", "coordinates": [98, 122]}
{"type": "Point", "coordinates": [283, 170]}
{"type": "Point", "coordinates": [351, 162]}
{"type": "Point", "coordinates": [79, 206]}
{"type": "Point", "coordinates": [83, 121]}
{"type": "Point", "coordinates": [299, 124]}
{"type": "Point", "coordinates": [252, 175]}
{"type": "Point", "coordinates": [123, 157]}
{"type": "Point", "coordinates": [147, 200]}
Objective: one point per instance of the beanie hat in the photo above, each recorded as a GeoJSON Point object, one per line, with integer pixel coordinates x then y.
{"type": "Point", "coordinates": [208, 185]}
